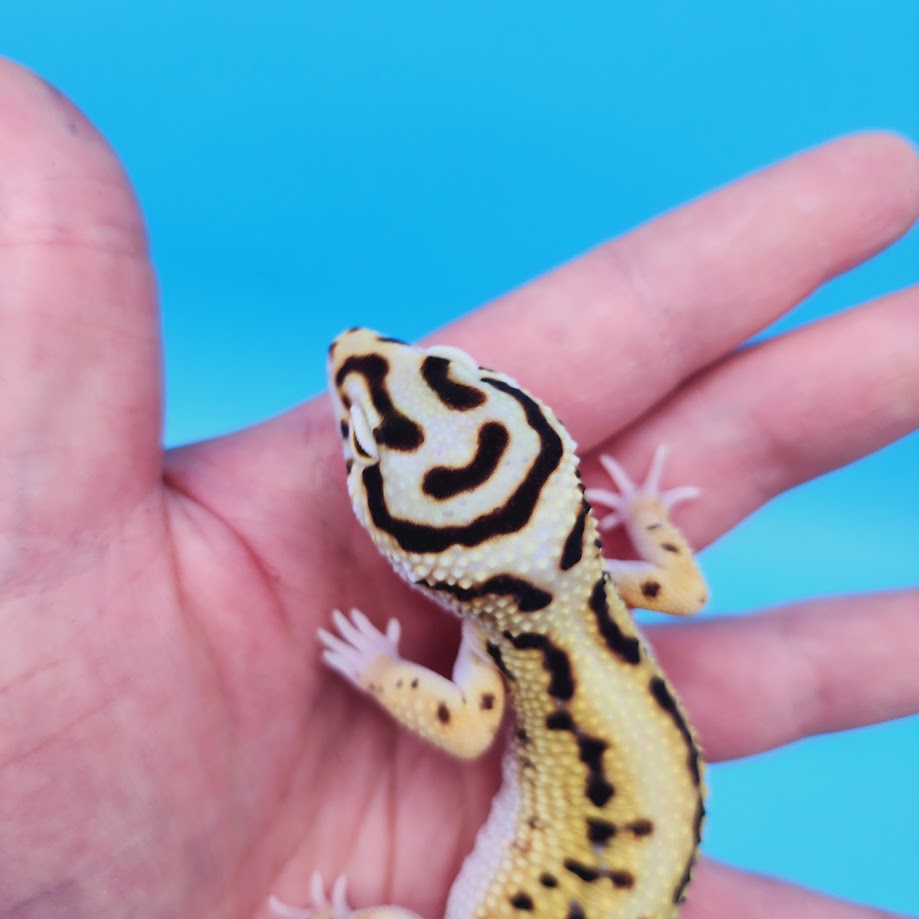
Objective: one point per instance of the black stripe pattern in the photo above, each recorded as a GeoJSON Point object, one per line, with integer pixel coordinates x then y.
{"type": "Point", "coordinates": [457, 396]}
{"type": "Point", "coordinates": [444, 482]}
{"type": "Point", "coordinates": [510, 517]}
{"type": "Point", "coordinates": [396, 431]}
{"type": "Point", "coordinates": [528, 596]}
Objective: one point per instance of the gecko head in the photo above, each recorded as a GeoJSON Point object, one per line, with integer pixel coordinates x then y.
{"type": "Point", "coordinates": [436, 448]}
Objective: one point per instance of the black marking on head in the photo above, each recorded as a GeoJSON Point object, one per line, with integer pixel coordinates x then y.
{"type": "Point", "coordinates": [584, 872]}
{"type": "Point", "coordinates": [599, 832]}
{"type": "Point", "coordinates": [332, 346]}
{"type": "Point", "coordinates": [443, 713]}
{"type": "Point", "coordinates": [443, 482]}
{"type": "Point", "coordinates": [494, 652]}
{"type": "Point", "coordinates": [522, 736]}
{"type": "Point", "coordinates": [510, 517]}
{"type": "Point", "coordinates": [528, 597]}
{"type": "Point", "coordinates": [575, 910]}
{"type": "Point", "coordinates": [574, 542]}
{"type": "Point", "coordinates": [640, 827]}
{"type": "Point", "coordinates": [554, 660]}
{"type": "Point", "coordinates": [487, 701]}
{"type": "Point", "coordinates": [624, 880]}
{"type": "Point", "coordinates": [459, 396]}
{"type": "Point", "coordinates": [521, 900]}
{"type": "Point", "coordinates": [343, 429]}
{"type": "Point", "coordinates": [670, 547]}
{"type": "Point", "coordinates": [349, 465]}
{"type": "Point", "coordinates": [392, 341]}
{"type": "Point", "coordinates": [414, 684]}
{"type": "Point", "coordinates": [653, 526]}
{"type": "Point", "coordinates": [395, 430]}
{"type": "Point", "coordinates": [665, 700]}
{"type": "Point", "coordinates": [626, 647]}
{"type": "Point", "coordinates": [548, 880]}
{"type": "Point", "coordinates": [650, 589]}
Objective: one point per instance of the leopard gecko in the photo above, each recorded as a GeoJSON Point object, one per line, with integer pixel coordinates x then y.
{"type": "Point", "coordinates": [470, 487]}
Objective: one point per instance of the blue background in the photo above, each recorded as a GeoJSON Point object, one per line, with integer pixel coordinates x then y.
{"type": "Point", "coordinates": [309, 166]}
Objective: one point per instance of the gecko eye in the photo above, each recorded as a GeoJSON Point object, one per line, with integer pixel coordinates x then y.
{"type": "Point", "coordinates": [362, 441]}
{"type": "Point", "coordinates": [463, 362]}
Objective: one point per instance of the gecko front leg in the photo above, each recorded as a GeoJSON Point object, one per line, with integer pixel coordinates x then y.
{"type": "Point", "coordinates": [459, 715]}
{"type": "Point", "coordinates": [667, 579]}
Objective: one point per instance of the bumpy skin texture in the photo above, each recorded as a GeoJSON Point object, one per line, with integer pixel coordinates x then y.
{"type": "Point", "coordinates": [470, 487]}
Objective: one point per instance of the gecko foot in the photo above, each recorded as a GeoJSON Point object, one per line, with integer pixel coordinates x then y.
{"type": "Point", "coordinates": [334, 906]}
{"type": "Point", "coordinates": [623, 502]}
{"type": "Point", "coordinates": [358, 644]}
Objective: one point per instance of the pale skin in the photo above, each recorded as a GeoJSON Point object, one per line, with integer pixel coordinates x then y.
{"type": "Point", "coordinates": [170, 744]}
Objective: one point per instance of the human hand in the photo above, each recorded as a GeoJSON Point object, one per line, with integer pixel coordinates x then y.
{"type": "Point", "coordinates": [168, 738]}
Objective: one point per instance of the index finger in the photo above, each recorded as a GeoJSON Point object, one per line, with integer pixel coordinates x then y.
{"type": "Point", "coordinates": [611, 333]}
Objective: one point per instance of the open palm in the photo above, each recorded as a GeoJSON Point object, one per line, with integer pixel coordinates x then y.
{"type": "Point", "coordinates": [169, 743]}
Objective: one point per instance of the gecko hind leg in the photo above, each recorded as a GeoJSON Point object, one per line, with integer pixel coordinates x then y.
{"type": "Point", "coordinates": [667, 578]}
{"type": "Point", "coordinates": [334, 906]}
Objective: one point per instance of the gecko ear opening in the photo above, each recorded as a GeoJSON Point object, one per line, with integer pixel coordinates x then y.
{"type": "Point", "coordinates": [363, 443]}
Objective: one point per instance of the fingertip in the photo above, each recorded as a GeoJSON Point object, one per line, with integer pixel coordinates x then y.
{"type": "Point", "coordinates": [53, 165]}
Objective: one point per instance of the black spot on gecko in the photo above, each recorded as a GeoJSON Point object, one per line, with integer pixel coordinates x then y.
{"type": "Point", "coordinates": [599, 791]}
{"type": "Point", "coordinates": [575, 910]}
{"type": "Point", "coordinates": [443, 713]}
{"type": "Point", "coordinates": [600, 832]}
{"type": "Point", "coordinates": [560, 721]}
{"type": "Point", "coordinates": [522, 736]}
{"type": "Point", "coordinates": [653, 526]}
{"type": "Point", "coordinates": [494, 652]}
{"type": "Point", "coordinates": [650, 588]}
{"type": "Point", "coordinates": [487, 702]}
{"type": "Point", "coordinates": [670, 547]}
{"type": "Point", "coordinates": [554, 660]}
{"type": "Point", "coordinates": [343, 429]}
{"type": "Point", "coordinates": [699, 818]}
{"type": "Point", "coordinates": [665, 700]}
{"type": "Point", "coordinates": [386, 339]}
{"type": "Point", "coordinates": [522, 901]}
{"type": "Point", "coordinates": [528, 597]}
{"type": "Point", "coordinates": [574, 542]}
{"type": "Point", "coordinates": [510, 517]}
{"type": "Point", "coordinates": [548, 880]}
{"type": "Point", "coordinates": [626, 647]}
{"type": "Point", "coordinates": [349, 465]}
{"type": "Point", "coordinates": [396, 430]}
{"type": "Point", "coordinates": [641, 827]}
{"type": "Point", "coordinates": [624, 880]}
{"type": "Point", "coordinates": [679, 894]}
{"type": "Point", "coordinates": [590, 752]}
{"type": "Point", "coordinates": [584, 872]}
{"type": "Point", "coordinates": [458, 396]}
{"type": "Point", "coordinates": [414, 683]}
{"type": "Point", "coordinates": [443, 482]}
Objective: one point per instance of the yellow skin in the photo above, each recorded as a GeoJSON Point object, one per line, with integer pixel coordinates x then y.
{"type": "Point", "coordinates": [470, 487]}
